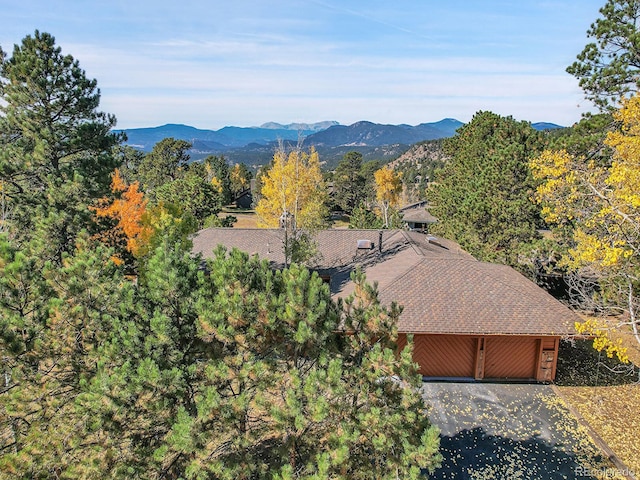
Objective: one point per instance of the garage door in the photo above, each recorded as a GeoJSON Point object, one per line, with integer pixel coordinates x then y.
{"type": "Point", "coordinates": [444, 355]}
{"type": "Point", "coordinates": [510, 357]}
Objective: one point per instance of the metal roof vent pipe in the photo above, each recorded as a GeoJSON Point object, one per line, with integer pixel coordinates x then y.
{"type": "Point", "coordinates": [380, 241]}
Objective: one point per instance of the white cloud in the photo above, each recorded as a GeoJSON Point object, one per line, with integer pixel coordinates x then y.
{"type": "Point", "coordinates": [247, 62]}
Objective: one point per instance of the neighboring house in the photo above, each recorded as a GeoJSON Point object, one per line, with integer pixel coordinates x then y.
{"type": "Point", "coordinates": [468, 318]}
{"type": "Point", "coordinates": [417, 217]}
{"type": "Point", "coordinates": [244, 199]}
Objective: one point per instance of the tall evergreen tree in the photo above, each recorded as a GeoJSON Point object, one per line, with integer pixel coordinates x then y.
{"type": "Point", "coordinates": [55, 146]}
{"type": "Point", "coordinates": [193, 194]}
{"type": "Point", "coordinates": [167, 161]}
{"type": "Point", "coordinates": [56, 331]}
{"type": "Point", "coordinates": [242, 374]}
{"type": "Point", "coordinates": [608, 67]}
{"type": "Point", "coordinates": [219, 175]}
{"type": "Point", "coordinates": [348, 182]}
{"type": "Point", "coordinates": [483, 196]}
{"type": "Point", "coordinates": [361, 217]}
{"type": "Point", "coordinates": [368, 171]}
{"type": "Point", "coordinates": [129, 160]}
{"type": "Point", "coordinates": [57, 292]}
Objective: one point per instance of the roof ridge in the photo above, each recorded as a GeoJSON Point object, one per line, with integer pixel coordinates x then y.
{"type": "Point", "coordinates": [415, 204]}
{"type": "Point", "coordinates": [413, 244]}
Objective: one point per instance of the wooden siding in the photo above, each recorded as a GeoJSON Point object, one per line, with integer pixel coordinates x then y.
{"type": "Point", "coordinates": [511, 357]}
{"type": "Point", "coordinates": [444, 355]}
{"type": "Point", "coordinates": [480, 357]}
{"type": "Point", "coordinates": [402, 341]}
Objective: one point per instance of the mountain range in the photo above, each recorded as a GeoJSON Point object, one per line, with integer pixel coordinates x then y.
{"type": "Point", "coordinates": [255, 145]}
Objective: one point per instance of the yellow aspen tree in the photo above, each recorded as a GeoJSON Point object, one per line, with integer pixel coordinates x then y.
{"type": "Point", "coordinates": [217, 184]}
{"type": "Point", "coordinates": [600, 202]}
{"type": "Point", "coordinates": [294, 197]}
{"type": "Point", "coordinates": [388, 191]}
{"type": "Point", "coordinates": [240, 178]}
{"type": "Point", "coordinates": [293, 186]}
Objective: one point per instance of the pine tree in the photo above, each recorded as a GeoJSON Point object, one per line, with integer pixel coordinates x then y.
{"type": "Point", "coordinates": [55, 147]}
{"type": "Point", "coordinates": [58, 291]}
{"type": "Point", "coordinates": [193, 195]}
{"type": "Point", "coordinates": [167, 161]}
{"type": "Point", "coordinates": [242, 372]}
{"type": "Point", "coordinates": [55, 325]}
{"type": "Point", "coordinates": [608, 66]}
{"type": "Point", "coordinates": [361, 217]}
{"type": "Point", "coordinates": [348, 182]}
{"type": "Point", "coordinates": [483, 196]}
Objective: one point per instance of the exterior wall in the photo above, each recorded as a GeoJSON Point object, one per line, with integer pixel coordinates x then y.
{"type": "Point", "coordinates": [244, 200]}
{"type": "Point", "coordinates": [445, 357]}
{"type": "Point", "coordinates": [485, 356]}
{"type": "Point", "coordinates": [511, 357]}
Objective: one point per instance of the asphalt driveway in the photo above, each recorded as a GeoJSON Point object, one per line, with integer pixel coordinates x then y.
{"type": "Point", "coordinates": [510, 431]}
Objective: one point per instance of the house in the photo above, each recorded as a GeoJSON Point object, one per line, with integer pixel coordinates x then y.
{"type": "Point", "coordinates": [244, 199]}
{"type": "Point", "coordinates": [417, 217]}
{"type": "Point", "coordinates": [468, 318]}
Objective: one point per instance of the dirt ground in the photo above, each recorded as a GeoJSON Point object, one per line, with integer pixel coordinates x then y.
{"type": "Point", "coordinates": [245, 220]}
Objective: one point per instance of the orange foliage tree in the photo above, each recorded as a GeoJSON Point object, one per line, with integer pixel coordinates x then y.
{"type": "Point", "coordinates": [126, 211]}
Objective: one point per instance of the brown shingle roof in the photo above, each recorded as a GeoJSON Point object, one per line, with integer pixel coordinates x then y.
{"type": "Point", "coordinates": [465, 296]}
{"type": "Point", "coordinates": [442, 288]}
{"type": "Point", "coordinates": [267, 243]}
{"type": "Point", "coordinates": [417, 213]}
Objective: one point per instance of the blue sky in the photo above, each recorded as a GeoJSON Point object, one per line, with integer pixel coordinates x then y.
{"type": "Point", "coordinates": [246, 62]}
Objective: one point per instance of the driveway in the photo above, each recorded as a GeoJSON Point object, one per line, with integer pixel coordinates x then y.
{"type": "Point", "coordinates": [510, 431]}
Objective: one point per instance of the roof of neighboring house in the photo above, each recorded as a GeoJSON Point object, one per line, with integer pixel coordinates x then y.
{"type": "Point", "coordinates": [417, 213]}
{"type": "Point", "coordinates": [442, 288]}
{"type": "Point", "coordinates": [419, 203]}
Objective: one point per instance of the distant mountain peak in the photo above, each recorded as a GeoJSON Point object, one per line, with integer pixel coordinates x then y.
{"type": "Point", "coordinates": [256, 144]}
{"type": "Point", "coordinates": [545, 126]}
{"type": "Point", "coordinates": [310, 127]}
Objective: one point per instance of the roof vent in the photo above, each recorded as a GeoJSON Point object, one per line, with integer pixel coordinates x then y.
{"type": "Point", "coordinates": [365, 245]}
{"type": "Point", "coordinates": [434, 241]}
